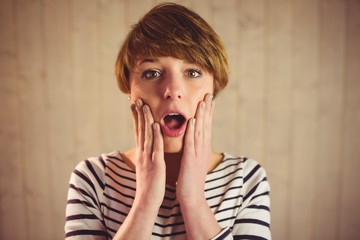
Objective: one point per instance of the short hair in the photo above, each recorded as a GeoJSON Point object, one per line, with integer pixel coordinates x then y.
{"type": "Point", "coordinates": [171, 29]}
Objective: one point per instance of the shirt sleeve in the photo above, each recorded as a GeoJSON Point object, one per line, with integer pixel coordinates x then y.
{"type": "Point", "coordinates": [84, 219]}
{"type": "Point", "coordinates": [253, 219]}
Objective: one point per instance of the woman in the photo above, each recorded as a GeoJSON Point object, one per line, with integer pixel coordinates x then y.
{"type": "Point", "coordinates": [171, 185]}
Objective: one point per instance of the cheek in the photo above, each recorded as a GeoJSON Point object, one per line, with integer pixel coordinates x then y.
{"type": "Point", "coordinates": [194, 104]}
{"type": "Point", "coordinates": [134, 94]}
{"type": "Point", "coordinates": [142, 92]}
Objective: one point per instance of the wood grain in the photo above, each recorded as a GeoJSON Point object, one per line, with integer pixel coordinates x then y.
{"type": "Point", "coordinates": [292, 104]}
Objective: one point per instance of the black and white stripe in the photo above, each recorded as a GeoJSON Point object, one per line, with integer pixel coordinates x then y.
{"type": "Point", "coordinates": [102, 191]}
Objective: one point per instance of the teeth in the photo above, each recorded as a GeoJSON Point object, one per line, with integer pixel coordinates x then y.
{"type": "Point", "coordinates": [173, 114]}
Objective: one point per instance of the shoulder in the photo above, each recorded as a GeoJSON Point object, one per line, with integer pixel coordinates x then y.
{"type": "Point", "coordinates": [98, 164]}
{"type": "Point", "coordinates": [253, 216]}
{"type": "Point", "coordinates": [255, 183]}
{"type": "Point", "coordinates": [228, 173]}
{"type": "Point", "coordinates": [91, 171]}
{"type": "Point", "coordinates": [246, 171]}
{"type": "Point", "coordinates": [247, 167]}
{"type": "Point", "coordinates": [243, 165]}
{"type": "Point", "coordinates": [253, 171]}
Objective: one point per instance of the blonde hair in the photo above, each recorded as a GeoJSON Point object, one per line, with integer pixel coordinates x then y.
{"type": "Point", "coordinates": [173, 30]}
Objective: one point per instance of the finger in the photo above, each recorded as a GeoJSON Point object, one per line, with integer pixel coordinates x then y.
{"type": "Point", "coordinates": [148, 134]}
{"type": "Point", "coordinates": [208, 114]}
{"type": "Point", "coordinates": [199, 124]}
{"type": "Point", "coordinates": [158, 144]}
{"type": "Point", "coordinates": [140, 123]}
{"type": "Point", "coordinates": [211, 117]}
{"type": "Point", "coordinates": [135, 120]}
{"type": "Point", "coordinates": [189, 140]}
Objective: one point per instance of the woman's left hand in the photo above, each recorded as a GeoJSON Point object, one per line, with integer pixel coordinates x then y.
{"type": "Point", "coordinates": [200, 222]}
{"type": "Point", "coordinates": [197, 154]}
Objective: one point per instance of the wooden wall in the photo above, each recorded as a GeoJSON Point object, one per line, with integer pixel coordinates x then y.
{"type": "Point", "coordinates": [293, 104]}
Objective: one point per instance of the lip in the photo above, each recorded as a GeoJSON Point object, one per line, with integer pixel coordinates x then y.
{"type": "Point", "coordinates": [173, 132]}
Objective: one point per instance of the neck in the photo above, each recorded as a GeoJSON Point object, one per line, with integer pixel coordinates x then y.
{"type": "Point", "coordinates": [172, 156]}
{"type": "Point", "coordinates": [172, 161]}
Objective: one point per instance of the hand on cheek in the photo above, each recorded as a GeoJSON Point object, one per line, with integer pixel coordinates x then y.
{"type": "Point", "coordinates": [149, 159]}
{"type": "Point", "coordinates": [197, 154]}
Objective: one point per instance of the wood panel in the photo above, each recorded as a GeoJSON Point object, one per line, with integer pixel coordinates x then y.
{"type": "Point", "coordinates": [304, 122]}
{"type": "Point", "coordinates": [224, 135]}
{"type": "Point", "coordinates": [251, 65]}
{"type": "Point", "coordinates": [85, 59]}
{"type": "Point", "coordinates": [115, 107]}
{"type": "Point", "coordinates": [33, 118]}
{"type": "Point", "coordinates": [350, 197]}
{"type": "Point", "coordinates": [279, 112]}
{"type": "Point", "coordinates": [136, 9]}
{"type": "Point", "coordinates": [330, 119]}
{"type": "Point", "coordinates": [59, 110]}
{"type": "Point", "coordinates": [12, 193]}
{"type": "Point", "coordinates": [292, 103]}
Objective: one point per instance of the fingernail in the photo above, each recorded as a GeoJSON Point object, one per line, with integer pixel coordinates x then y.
{"type": "Point", "coordinates": [193, 121]}
{"type": "Point", "coordinates": [209, 98]}
{"type": "Point", "coordinates": [145, 109]}
{"type": "Point", "coordinates": [202, 106]}
{"type": "Point", "coordinates": [155, 126]}
{"type": "Point", "coordinates": [138, 102]}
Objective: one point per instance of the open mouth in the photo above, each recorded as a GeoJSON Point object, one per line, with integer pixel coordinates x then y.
{"type": "Point", "coordinates": [174, 121]}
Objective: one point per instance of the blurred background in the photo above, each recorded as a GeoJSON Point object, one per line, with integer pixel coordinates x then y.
{"type": "Point", "coordinates": [293, 104]}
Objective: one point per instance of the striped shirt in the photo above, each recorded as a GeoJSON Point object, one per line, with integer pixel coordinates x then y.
{"type": "Point", "coordinates": [102, 191]}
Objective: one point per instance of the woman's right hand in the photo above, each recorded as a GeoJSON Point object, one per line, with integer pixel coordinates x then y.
{"type": "Point", "coordinates": [149, 158]}
{"type": "Point", "coordinates": [150, 176]}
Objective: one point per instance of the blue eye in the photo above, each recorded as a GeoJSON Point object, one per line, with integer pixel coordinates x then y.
{"type": "Point", "coordinates": [194, 73]}
{"type": "Point", "coordinates": [151, 74]}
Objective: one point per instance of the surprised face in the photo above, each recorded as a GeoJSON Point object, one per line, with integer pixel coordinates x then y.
{"type": "Point", "coordinates": [172, 88]}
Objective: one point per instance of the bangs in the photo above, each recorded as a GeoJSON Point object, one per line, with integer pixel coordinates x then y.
{"type": "Point", "coordinates": [169, 37]}
{"type": "Point", "coordinates": [175, 31]}
{"type": "Point", "coordinates": [184, 52]}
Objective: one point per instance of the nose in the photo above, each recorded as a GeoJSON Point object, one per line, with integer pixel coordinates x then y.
{"type": "Point", "coordinates": [173, 89]}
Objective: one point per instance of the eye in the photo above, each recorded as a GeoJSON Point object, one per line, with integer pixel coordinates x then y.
{"type": "Point", "coordinates": [193, 73]}
{"type": "Point", "coordinates": [151, 74]}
